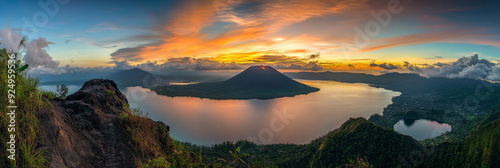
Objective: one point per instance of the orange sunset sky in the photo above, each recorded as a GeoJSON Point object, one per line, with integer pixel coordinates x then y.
{"type": "Point", "coordinates": [289, 34]}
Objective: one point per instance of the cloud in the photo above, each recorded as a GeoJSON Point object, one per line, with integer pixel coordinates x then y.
{"type": "Point", "coordinates": [35, 51]}
{"type": "Point", "coordinates": [10, 39]}
{"type": "Point", "coordinates": [37, 56]}
{"type": "Point", "coordinates": [211, 63]}
{"type": "Point", "coordinates": [98, 43]}
{"type": "Point", "coordinates": [122, 65]}
{"type": "Point", "coordinates": [288, 66]}
{"type": "Point", "coordinates": [181, 63]}
{"type": "Point", "coordinates": [180, 60]}
{"type": "Point", "coordinates": [132, 53]}
{"type": "Point", "coordinates": [494, 74]}
{"type": "Point", "coordinates": [188, 63]}
{"type": "Point", "coordinates": [435, 57]}
{"type": "Point", "coordinates": [297, 51]}
{"type": "Point", "coordinates": [241, 26]}
{"type": "Point", "coordinates": [466, 67]}
{"type": "Point", "coordinates": [205, 64]}
{"type": "Point", "coordinates": [313, 66]}
{"type": "Point", "coordinates": [314, 56]}
{"type": "Point", "coordinates": [103, 26]}
{"type": "Point", "coordinates": [277, 59]}
{"type": "Point", "coordinates": [386, 66]}
{"type": "Point", "coordinates": [68, 69]}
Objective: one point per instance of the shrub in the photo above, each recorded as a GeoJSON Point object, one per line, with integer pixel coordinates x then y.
{"type": "Point", "coordinates": [110, 93]}
{"type": "Point", "coordinates": [29, 101]}
{"type": "Point", "coordinates": [62, 91]}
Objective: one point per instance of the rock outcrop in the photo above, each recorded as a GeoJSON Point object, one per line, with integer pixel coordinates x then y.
{"type": "Point", "coordinates": [85, 129]}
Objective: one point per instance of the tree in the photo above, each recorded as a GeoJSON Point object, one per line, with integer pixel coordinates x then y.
{"type": "Point", "coordinates": [236, 158]}
{"type": "Point", "coordinates": [22, 43]}
{"type": "Point", "coordinates": [62, 91]}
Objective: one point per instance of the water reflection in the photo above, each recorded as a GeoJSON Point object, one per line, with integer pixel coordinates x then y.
{"type": "Point", "coordinates": [71, 88]}
{"type": "Point", "coordinates": [421, 129]}
{"type": "Point", "coordinates": [297, 119]}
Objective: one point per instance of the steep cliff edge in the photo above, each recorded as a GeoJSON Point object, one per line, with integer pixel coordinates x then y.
{"type": "Point", "coordinates": [94, 127]}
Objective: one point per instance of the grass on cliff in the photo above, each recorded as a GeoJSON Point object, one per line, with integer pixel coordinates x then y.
{"type": "Point", "coordinates": [157, 150]}
{"type": "Point", "coordinates": [28, 100]}
{"type": "Point", "coordinates": [152, 141]}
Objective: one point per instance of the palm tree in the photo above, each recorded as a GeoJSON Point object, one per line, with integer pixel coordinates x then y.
{"type": "Point", "coordinates": [22, 43]}
{"type": "Point", "coordinates": [236, 158]}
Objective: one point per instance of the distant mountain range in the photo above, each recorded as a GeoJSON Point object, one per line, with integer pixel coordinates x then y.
{"type": "Point", "coordinates": [256, 82]}
{"type": "Point", "coordinates": [135, 77]}
{"type": "Point", "coordinates": [130, 77]}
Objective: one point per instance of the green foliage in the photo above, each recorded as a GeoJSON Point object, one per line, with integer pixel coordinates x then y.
{"type": "Point", "coordinates": [152, 141]}
{"type": "Point", "coordinates": [360, 143]}
{"type": "Point", "coordinates": [124, 117]}
{"type": "Point", "coordinates": [359, 137]}
{"type": "Point", "coordinates": [21, 69]}
{"type": "Point", "coordinates": [29, 101]}
{"type": "Point", "coordinates": [110, 93]}
{"type": "Point", "coordinates": [357, 143]}
{"type": "Point", "coordinates": [480, 149]}
{"type": "Point", "coordinates": [48, 93]}
{"type": "Point", "coordinates": [358, 163]}
{"type": "Point", "coordinates": [62, 91]}
{"type": "Point", "coordinates": [33, 157]}
{"type": "Point", "coordinates": [236, 159]}
{"type": "Point", "coordinates": [159, 162]}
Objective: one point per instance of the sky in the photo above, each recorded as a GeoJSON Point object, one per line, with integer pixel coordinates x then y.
{"type": "Point", "coordinates": [406, 35]}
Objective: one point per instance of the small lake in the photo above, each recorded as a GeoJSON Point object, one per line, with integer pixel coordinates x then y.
{"type": "Point", "coordinates": [421, 129]}
{"type": "Point", "coordinates": [298, 119]}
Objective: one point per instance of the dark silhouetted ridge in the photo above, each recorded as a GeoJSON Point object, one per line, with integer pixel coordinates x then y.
{"type": "Point", "coordinates": [133, 77]}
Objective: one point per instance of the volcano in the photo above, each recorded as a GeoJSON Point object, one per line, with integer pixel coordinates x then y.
{"type": "Point", "coordinates": [264, 77]}
{"type": "Point", "coordinates": [256, 82]}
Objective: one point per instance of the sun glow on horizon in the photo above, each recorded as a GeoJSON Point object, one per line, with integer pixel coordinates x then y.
{"type": "Point", "coordinates": [277, 39]}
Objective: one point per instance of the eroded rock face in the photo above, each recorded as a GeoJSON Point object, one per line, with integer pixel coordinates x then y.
{"type": "Point", "coordinates": [101, 93]}
{"type": "Point", "coordinates": [84, 129]}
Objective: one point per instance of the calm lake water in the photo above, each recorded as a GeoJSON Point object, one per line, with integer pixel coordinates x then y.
{"type": "Point", "coordinates": [421, 129]}
{"type": "Point", "coordinates": [298, 119]}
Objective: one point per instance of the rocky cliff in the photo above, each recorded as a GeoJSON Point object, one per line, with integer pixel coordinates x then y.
{"type": "Point", "coordinates": [94, 127]}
